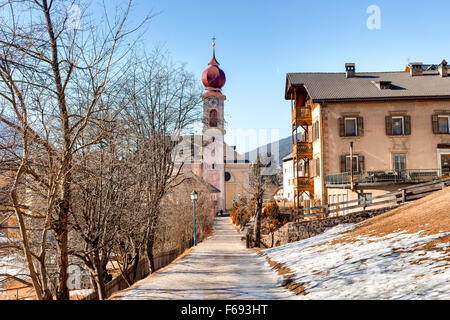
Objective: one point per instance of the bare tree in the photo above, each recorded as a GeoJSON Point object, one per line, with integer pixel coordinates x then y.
{"type": "Point", "coordinates": [258, 185]}
{"type": "Point", "coordinates": [52, 79]}
{"type": "Point", "coordinates": [166, 104]}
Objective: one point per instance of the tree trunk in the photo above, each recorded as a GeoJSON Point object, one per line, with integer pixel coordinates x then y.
{"type": "Point", "coordinates": [257, 243]}
{"type": "Point", "coordinates": [99, 276]}
{"type": "Point", "coordinates": [150, 256]}
{"type": "Point", "coordinates": [62, 292]}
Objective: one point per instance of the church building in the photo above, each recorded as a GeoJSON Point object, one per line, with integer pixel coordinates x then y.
{"type": "Point", "coordinates": [208, 156]}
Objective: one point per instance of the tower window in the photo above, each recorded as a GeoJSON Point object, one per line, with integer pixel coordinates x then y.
{"type": "Point", "coordinates": [213, 118]}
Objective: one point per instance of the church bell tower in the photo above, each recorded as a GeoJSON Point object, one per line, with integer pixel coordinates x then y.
{"type": "Point", "coordinates": [213, 128]}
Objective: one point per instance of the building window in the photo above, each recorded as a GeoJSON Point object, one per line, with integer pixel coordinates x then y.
{"type": "Point", "coordinates": [227, 176]}
{"type": "Point", "coordinates": [358, 163]}
{"type": "Point", "coordinates": [351, 128]}
{"type": "Point", "coordinates": [315, 130]}
{"type": "Point", "coordinates": [399, 162]}
{"type": "Point", "coordinates": [398, 125]}
{"type": "Point", "coordinates": [348, 164]}
{"type": "Point", "coordinates": [443, 122]}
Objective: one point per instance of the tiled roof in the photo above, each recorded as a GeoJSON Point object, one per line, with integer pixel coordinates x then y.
{"type": "Point", "coordinates": [328, 87]}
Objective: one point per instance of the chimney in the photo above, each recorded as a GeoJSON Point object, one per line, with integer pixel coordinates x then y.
{"type": "Point", "coordinates": [350, 70]}
{"type": "Point", "coordinates": [443, 70]}
{"type": "Point", "coordinates": [416, 69]}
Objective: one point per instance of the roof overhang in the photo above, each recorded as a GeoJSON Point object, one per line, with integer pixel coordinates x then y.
{"type": "Point", "coordinates": [293, 88]}
{"type": "Point", "coordinates": [443, 97]}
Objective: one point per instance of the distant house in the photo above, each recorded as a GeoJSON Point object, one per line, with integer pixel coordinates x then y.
{"type": "Point", "coordinates": [396, 122]}
{"type": "Point", "coordinates": [288, 178]}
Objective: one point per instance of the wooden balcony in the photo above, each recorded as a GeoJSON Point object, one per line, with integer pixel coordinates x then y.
{"type": "Point", "coordinates": [302, 116]}
{"type": "Point", "coordinates": [304, 184]}
{"type": "Point", "coordinates": [303, 150]}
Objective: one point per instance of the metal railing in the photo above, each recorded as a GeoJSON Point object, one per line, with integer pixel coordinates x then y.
{"type": "Point", "coordinates": [385, 176]}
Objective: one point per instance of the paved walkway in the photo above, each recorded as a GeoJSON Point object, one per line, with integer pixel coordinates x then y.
{"type": "Point", "coordinates": [219, 268]}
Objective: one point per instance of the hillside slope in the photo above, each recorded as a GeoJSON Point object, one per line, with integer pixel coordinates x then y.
{"type": "Point", "coordinates": [402, 254]}
{"type": "Point", "coordinates": [284, 148]}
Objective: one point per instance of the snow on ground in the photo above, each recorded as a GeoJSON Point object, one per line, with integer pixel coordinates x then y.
{"type": "Point", "coordinates": [81, 292]}
{"type": "Point", "coordinates": [393, 266]}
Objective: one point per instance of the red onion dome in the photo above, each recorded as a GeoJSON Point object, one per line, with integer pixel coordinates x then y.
{"type": "Point", "coordinates": [213, 77]}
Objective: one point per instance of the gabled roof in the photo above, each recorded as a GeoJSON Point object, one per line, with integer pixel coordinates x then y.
{"type": "Point", "coordinates": [334, 87]}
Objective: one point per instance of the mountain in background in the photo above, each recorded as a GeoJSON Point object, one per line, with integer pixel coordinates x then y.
{"type": "Point", "coordinates": [284, 148]}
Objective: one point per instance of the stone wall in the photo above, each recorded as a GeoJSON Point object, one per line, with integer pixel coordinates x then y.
{"type": "Point", "coordinates": [295, 231]}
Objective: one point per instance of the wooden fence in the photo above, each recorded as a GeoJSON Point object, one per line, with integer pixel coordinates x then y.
{"type": "Point", "coordinates": [120, 283]}
{"type": "Point", "coordinates": [398, 197]}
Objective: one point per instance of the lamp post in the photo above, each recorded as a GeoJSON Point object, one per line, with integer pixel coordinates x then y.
{"type": "Point", "coordinates": [194, 197]}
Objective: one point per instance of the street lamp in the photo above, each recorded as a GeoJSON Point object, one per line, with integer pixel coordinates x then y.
{"type": "Point", "coordinates": [194, 197]}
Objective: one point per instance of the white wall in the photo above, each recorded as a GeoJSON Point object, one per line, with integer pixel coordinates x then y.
{"type": "Point", "coordinates": [288, 180]}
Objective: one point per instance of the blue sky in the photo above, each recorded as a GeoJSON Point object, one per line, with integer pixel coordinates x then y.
{"type": "Point", "coordinates": [258, 42]}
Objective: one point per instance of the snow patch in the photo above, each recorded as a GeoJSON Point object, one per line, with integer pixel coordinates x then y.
{"type": "Point", "coordinates": [387, 267]}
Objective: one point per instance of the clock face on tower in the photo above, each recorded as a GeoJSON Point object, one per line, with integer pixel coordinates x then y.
{"type": "Point", "coordinates": [213, 102]}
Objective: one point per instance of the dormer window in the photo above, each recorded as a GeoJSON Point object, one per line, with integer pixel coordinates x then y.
{"type": "Point", "coordinates": [382, 84]}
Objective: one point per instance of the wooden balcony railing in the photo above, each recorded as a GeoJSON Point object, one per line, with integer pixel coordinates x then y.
{"type": "Point", "coordinates": [304, 183]}
{"type": "Point", "coordinates": [302, 116]}
{"type": "Point", "coordinates": [303, 150]}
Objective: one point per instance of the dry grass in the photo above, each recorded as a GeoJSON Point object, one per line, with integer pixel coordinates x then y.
{"type": "Point", "coordinates": [288, 274]}
{"type": "Point", "coordinates": [429, 215]}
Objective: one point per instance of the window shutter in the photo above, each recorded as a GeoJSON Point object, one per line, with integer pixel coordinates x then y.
{"type": "Point", "coordinates": [362, 164]}
{"type": "Point", "coordinates": [360, 126]}
{"type": "Point", "coordinates": [407, 125]}
{"type": "Point", "coordinates": [317, 130]}
{"type": "Point", "coordinates": [317, 167]}
{"type": "Point", "coordinates": [341, 127]}
{"type": "Point", "coordinates": [435, 123]}
{"type": "Point", "coordinates": [389, 126]}
{"type": "Point", "coordinates": [343, 163]}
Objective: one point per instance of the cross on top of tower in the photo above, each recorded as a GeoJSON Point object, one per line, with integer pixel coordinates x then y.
{"type": "Point", "coordinates": [214, 41]}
